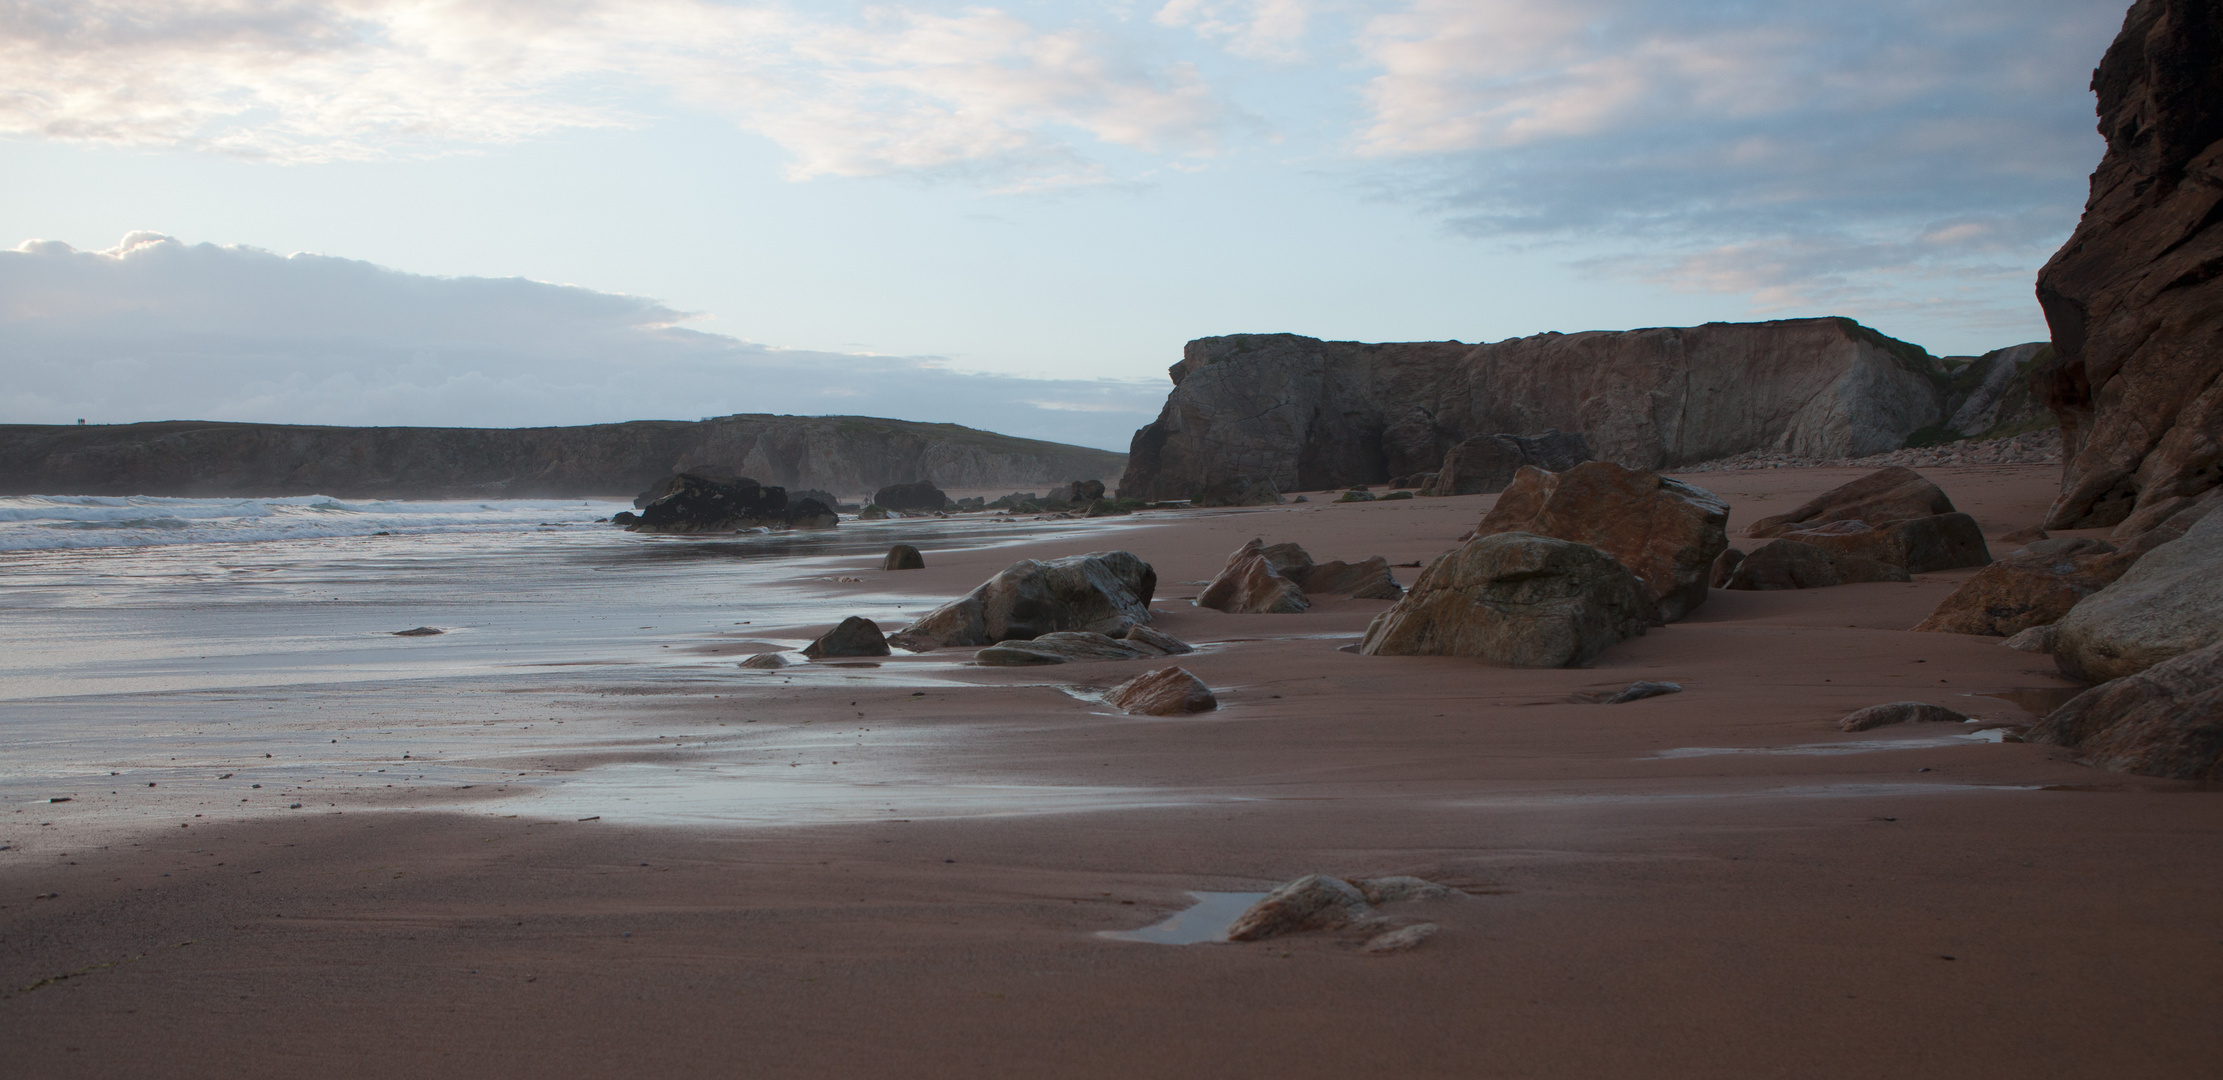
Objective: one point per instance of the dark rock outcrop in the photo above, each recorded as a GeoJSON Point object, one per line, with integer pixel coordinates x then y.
{"type": "Point", "coordinates": [2164, 721]}
{"type": "Point", "coordinates": [903, 557]}
{"type": "Point", "coordinates": [1104, 591]}
{"type": "Point", "coordinates": [1238, 490]}
{"type": "Point", "coordinates": [692, 503]}
{"type": "Point", "coordinates": [1665, 531]}
{"type": "Point", "coordinates": [1310, 415]}
{"type": "Point", "coordinates": [1068, 646]}
{"type": "Point", "coordinates": [1518, 600]}
{"type": "Point", "coordinates": [1485, 464]}
{"type": "Point", "coordinates": [855, 636]}
{"type": "Point", "coordinates": [918, 495]}
{"type": "Point", "coordinates": [1785, 563]}
{"type": "Point", "coordinates": [2031, 587]}
{"type": "Point", "coordinates": [1938, 542]}
{"type": "Point", "coordinates": [1879, 498]}
{"type": "Point", "coordinates": [2135, 297]}
{"type": "Point", "coordinates": [1167, 692]}
{"type": "Point", "coordinates": [210, 458]}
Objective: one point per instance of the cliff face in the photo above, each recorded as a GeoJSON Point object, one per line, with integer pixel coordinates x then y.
{"type": "Point", "coordinates": [843, 454]}
{"type": "Point", "coordinates": [1312, 414]}
{"type": "Point", "coordinates": [2135, 298]}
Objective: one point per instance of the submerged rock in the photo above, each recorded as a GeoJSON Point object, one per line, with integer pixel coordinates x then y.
{"type": "Point", "coordinates": [1103, 591]}
{"type": "Point", "coordinates": [1666, 532]}
{"type": "Point", "coordinates": [1153, 638]}
{"type": "Point", "coordinates": [1518, 600]}
{"type": "Point", "coordinates": [1062, 647]}
{"type": "Point", "coordinates": [903, 557]}
{"type": "Point", "coordinates": [1168, 692]}
{"type": "Point", "coordinates": [1899, 712]}
{"type": "Point", "coordinates": [2166, 720]}
{"type": "Point", "coordinates": [856, 636]}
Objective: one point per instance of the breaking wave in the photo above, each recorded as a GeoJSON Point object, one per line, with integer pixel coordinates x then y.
{"type": "Point", "coordinates": [36, 522]}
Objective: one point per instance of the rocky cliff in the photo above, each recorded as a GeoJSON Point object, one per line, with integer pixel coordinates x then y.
{"type": "Point", "coordinates": [2135, 298]}
{"type": "Point", "coordinates": [1310, 414]}
{"type": "Point", "coordinates": [843, 454]}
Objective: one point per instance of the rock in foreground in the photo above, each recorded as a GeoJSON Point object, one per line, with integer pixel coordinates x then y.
{"type": "Point", "coordinates": [1312, 902]}
{"type": "Point", "coordinates": [1103, 591]}
{"type": "Point", "coordinates": [1665, 531]}
{"type": "Point", "coordinates": [1251, 584]}
{"type": "Point", "coordinates": [856, 636]}
{"type": "Point", "coordinates": [1167, 692]}
{"type": "Point", "coordinates": [1516, 599]}
{"type": "Point", "coordinates": [2164, 721]}
{"type": "Point", "coordinates": [2167, 604]}
{"type": "Point", "coordinates": [2033, 587]}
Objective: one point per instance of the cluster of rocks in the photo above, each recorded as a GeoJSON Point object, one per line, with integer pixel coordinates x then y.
{"type": "Point", "coordinates": [1881, 527]}
{"type": "Point", "coordinates": [697, 503]}
{"type": "Point", "coordinates": [1102, 592]}
{"type": "Point", "coordinates": [1277, 579]}
{"type": "Point", "coordinates": [1318, 902]}
{"type": "Point", "coordinates": [2030, 448]}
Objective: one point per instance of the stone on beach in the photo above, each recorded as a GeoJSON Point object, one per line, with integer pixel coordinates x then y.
{"type": "Point", "coordinates": [1401, 888]}
{"type": "Point", "coordinates": [1666, 532]}
{"type": "Point", "coordinates": [2170, 602]}
{"type": "Point", "coordinates": [1103, 591]}
{"type": "Point", "coordinates": [2037, 639]}
{"type": "Point", "coordinates": [1167, 692]}
{"type": "Point", "coordinates": [768, 661]}
{"type": "Point", "coordinates": [1918, 546]}
{"type": "Point", "coordinates": [1485, 464]}
{"type": "Point", "coordinates": [1151, 637]}
{"type": "Point", "coordinates": [903, 557]}
{"type": "Point", "coordinates": [1063, 647]}
{"type": "Point", "coordinates": [1879, 498]}
{"type": "Point", "coordinates": [696, 503]}
{"type": "Point", "coordinates": [422, 631]}
{"type": "Point", "coordinates": [918, 495]}
{"type": "Point", "coordinates": [2166, 720]}
{"type": "Point", "coordinates": [1784, 563]}
{"type": "Point", "coordinates": [1899, 712]}
{"type": "Point", "coordinates": [1725, 567]}
{"type": "Point", "coordinates": [1518, 600]}
{"type": "Point", "coordinates": [2030, 588]}
{"type": "Point", "coordinates": [855, 636]}
{"type": "Point", "coordinates": [1232, 491]}
{"type": "Point", "coordinates": [1638, 691]}
{"type": "Point", "coordinates": [1251, 584]}
{"type": "Point", "coordinates": [1402, 939]}
{"type": "Point", "coordinates": [1312, 902]}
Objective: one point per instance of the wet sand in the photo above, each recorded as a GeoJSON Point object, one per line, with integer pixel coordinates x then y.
{"type": "Point", "coordinates": [1711, 883]}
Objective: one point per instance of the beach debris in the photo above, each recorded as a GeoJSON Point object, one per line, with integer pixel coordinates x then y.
{"type": "Point", "coordinates": [1518, 600]}
{"type": "Point", "coordinates": [1666, 532]}
{"type": "Point", "coordinates": [855, 636]}
{"type": "Point", "coordinates": [2162, 721]}
{"type": "Point", "coordinates": [768, 661]}
{"type": "Point", "coordinates": [422, 631]}
{"type": "Point", "coordinates": [1167, 692]}
{"type": "Point", "coordinates": [1786, 563]}
{"type": "Point", "coordinates": [2168, 604]}
{"type": "Point", "coordinates": [2032, 587]}
{"type": "Point", "coordinates": [2037, 639]}
{"type": "Point", "coordinates": [1899, 712]}
{"type": "Point", "coordinates": [1103, 591]}
{"type": "Point", "coordinates": [1401, 939]}
{"type": "Point", "coordinates": [1312, 902]}
{"type": "Point", "coordinates": [1638, 691]}
{"type": "Point", "coordinates": [903, 557]}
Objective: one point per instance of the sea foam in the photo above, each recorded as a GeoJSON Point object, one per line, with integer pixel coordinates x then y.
{"type": "Point", "coordinates": [45, 522]}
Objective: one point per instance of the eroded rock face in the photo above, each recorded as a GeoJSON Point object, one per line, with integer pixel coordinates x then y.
{"type": "Point", "coordinates": [855, 636]}
{"type": "Point", "coordinates": [1516, 599]}
{"type": "Point", "coordinates": [917, 495]}
{"type": "Point", "coordinates": [2032, 587]}
{"type": "Point", "coordinates": [1879, 498]}
{"type": "Point", "coordinates": [1484, 465]}
{"type": "Point", "coordinates": [1250, 584]}
{"type": "Point", "coordinates": [1238, 490]}
{"type": "Point", "coordinates": [2170, 602]}
{"type": "Point", "coordinates": [695, 503]}
{"type": "Point", "coordinates": [1311, 415]}
{"type": "Point", "coordinates": [2133, 298]}
{"type": "Point", "coordinates": [1899, 712]}
{"type": "Point", "coordinates": [1168, 692]}
{"type": "Point", "coordinates": [1103, 591]}
{"type": "Point", "coordinates": [1784, 563]}
{"type": "Point", "coordinates": [2164, 721]}
{"type": "Point", "coordinates": [1665, 531]}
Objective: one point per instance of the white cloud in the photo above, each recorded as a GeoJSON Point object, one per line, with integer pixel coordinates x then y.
{"type": "Point", "coordinates": [156, 329]}
{"type": "Point", "coordinates": [1260, 29]}
{"type": "Point", "coordinates": [891, 90]}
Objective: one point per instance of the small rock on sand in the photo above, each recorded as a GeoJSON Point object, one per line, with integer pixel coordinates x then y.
{"type": "Point", "coordinates": [903, 557]}
{"type": "Point", "coordinates": [422, 631]}
{"type": "Point", "coordinates": [856, 636]}
{"type": "Point", "coordinates": [1168, 692]}
{"type": "Point", "coordinates": [1312, 902]}
{"type": "Point", "coordinates": [1900, 712]}
{"type": "Point", "coordinates": [1638, 691]}
{"type": "Point", "coordinates": [767, 660]}
{"type": "Point", "coordinates": [1401, 939]}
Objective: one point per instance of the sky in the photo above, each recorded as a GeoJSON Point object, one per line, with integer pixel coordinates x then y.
{"type": "Point", "coordinates": [519, 212]}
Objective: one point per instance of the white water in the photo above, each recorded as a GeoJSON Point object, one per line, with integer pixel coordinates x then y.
{"type": "Point", "coordinates": [52, 522]}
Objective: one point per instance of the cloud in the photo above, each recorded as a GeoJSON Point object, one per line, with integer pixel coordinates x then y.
{"type": "Point", "coordinates": [1259, 29]}
{"type": "Point", "coordinates": [892, 89]}
{"type": "Point", "coordinates": [1796, 153]}
{"type": "Point", "coordinates": [156, 329]}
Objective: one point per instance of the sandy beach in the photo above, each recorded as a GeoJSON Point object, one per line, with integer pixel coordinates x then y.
{"type": "Point", "coordinates": [902, 870]}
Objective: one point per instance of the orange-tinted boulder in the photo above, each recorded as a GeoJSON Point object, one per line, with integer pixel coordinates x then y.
{"type": "Point", "coordinates": [1517, 600]}
{"type": "Point", "coordinates": [2032, 587]}
{"type": "Point", "coordinates": [1666, 532]}
{"type": "Point", "coordinates": [1879, 498]}
{"type": "Point", "coordinates": [1250, 584]}
{"type": "Point", "coordinates": [1168, 692]}
{"type": "Point", "coordinates": [1919, 546]}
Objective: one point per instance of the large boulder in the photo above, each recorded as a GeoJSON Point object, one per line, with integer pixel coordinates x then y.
{"type": "Point", "coordinates": [1311, 415]}
{"type": "Point", "coordinates": [1879, 498]}
{"type": "Point", "coordinates": [1250, 584]}
{"type": "Point", "coordinates": [2031, 587]}
{"type": "Point", "coordinates": [1938, 542]}
{"type": "Point", "coordinates": [2170, 602]}
{"type": "Point", "coordinates": [918, 495]}
{"type": "Point", "coordinates": [2133, 297]}
{"type": "Point", "coordinates": [1485, 464]}
{"type": "Point", "coordinates": [1240, 490]}
{"type": "Point", "coordinates": [696, 503]}
{"type": "Point", "coordinates": [1516, 599]}
{"type": "Point", "coordinates": [903, 557]}
{"type": "Point", "coordinates": [1666, 531]}
{"type": "Point", "coordinates": [1103, 591]}
{"type": "Point", "coordinates": [1784, 563]}
{"type": "Point", "coordinates": [2164, 721]}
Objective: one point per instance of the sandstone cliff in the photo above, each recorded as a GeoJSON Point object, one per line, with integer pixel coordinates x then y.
{"type": "Point", "coordinates": [1310, 414]}
{"type": "Point", "coordinates": [844, 454]}
{"type": "Point", "coordinates": [2135, 298]}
